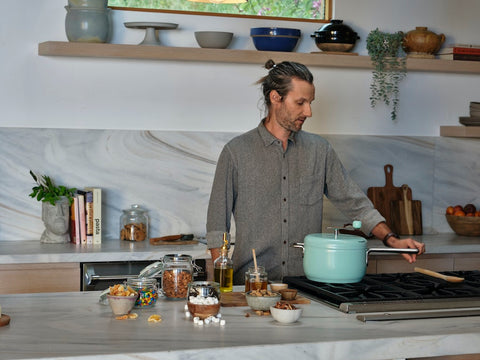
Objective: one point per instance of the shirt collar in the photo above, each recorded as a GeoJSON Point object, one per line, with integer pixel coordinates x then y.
{"type": "Point", "coordinates": [268, 138]}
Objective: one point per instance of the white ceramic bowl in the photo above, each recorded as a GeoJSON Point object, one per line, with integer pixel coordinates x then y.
{"type": "Point", "coordinates": [286, 316]}
{"type": "Point", "coordinates": [213, 39]}
{"type": "Point", "coordinates": [121, 305]}
{"type": "Point", "coordinates": [262, 303]}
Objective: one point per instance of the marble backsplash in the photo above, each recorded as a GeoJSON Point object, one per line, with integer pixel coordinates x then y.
{"type": "Point", "coordinates": [170, 174]}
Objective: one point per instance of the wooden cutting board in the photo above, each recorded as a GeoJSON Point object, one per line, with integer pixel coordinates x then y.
{"type": "Point", "coordinates": [238, 299]}
{"type": "Point", "coordinates": [382, 197]}
{"type": "Point", "coordinates": [406, 215]}
{"type": "Point", "coordinates": [173, 243]}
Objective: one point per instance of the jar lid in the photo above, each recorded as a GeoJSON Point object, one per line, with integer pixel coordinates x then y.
{"type": "Point", "coordinates": [134, 209]}
{"type": "Point", "coordinates": [151, 270]}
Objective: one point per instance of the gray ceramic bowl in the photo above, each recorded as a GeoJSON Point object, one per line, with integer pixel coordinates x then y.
{"type": "Point", "coordinates": [262, 302]}
{"type": "Point", "coordinates": [213, 39]}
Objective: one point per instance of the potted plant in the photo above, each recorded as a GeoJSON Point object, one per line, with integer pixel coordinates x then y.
{"type": "Point", "coordinates": [385, 51]}
{"type": "Point", "coordinates": [56, 201]}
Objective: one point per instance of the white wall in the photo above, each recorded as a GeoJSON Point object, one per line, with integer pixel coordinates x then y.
{"type": "Point", "coordinates": [95, 93]}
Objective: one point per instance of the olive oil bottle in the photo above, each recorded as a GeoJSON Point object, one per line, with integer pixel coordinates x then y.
{"type": "Point", "coordinates": [223, 268]}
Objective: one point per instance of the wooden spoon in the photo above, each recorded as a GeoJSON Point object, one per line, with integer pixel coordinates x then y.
{"type": "Point", "coordinates": [438, 275]}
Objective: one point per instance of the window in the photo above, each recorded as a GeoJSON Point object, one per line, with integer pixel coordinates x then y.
{"type": "Point", "coordinates": [299, 10]}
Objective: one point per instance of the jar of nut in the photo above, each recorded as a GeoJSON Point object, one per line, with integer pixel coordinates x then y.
{"type": "Point", "coordinates": [134, 224]}
{"type": "Point", "coordinates": [177, 274]}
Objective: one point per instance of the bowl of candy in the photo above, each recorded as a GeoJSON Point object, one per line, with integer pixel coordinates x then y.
{"type": "Point", "coordinates": [203, 299]}
{"type": "Point", "coordinates": [285, 313]}
{"type": "Point", "coordinates": [121, 299]}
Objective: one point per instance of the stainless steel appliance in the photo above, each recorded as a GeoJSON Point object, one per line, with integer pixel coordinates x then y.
{"type": "Point", "coordinates": [101, 275]}
{"type": "Point", "coordinates": [400, 292]}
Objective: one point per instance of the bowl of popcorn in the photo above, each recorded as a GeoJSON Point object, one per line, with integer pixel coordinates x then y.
{"type": "Point", "coordinates": [262, 299]}
{"type": "Point", "coordinates": [203, 299]}
{"type": "Point", "coordinates": [121, 299]}
{"type": "Point", "coordinates": [285, 313]}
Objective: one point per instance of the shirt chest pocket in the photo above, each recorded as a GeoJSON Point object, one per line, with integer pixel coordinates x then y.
{"type": "Point", "coordinates": [309, 191]}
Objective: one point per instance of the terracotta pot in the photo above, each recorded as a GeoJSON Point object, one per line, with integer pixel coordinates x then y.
{"type": "Point", "coordinates": [422, 43]}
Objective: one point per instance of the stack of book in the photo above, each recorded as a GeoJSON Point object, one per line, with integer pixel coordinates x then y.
{"type": "Point", "coordinates": [465, 52]}
{"type": "Point", "coordinates": [86, 217]}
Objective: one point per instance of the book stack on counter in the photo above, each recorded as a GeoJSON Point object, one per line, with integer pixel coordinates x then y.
{"type": "Point", "coordinates": [86, 217]}
{"type": "Point", "coordinates": [465, 52]}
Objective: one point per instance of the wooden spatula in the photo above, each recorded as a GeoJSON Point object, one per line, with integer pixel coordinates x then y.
{"type": "Point", "coordinates": [438, 275]}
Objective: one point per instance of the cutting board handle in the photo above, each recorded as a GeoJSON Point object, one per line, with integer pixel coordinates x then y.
{"type": "Point", "coordinates": [388, 175]}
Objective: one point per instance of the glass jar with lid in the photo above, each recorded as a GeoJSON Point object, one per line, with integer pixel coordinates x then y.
{"type": "Point", "coordinates": [203, 298]}
{"type": "Point", "coordinates": [147, 289]}
{"type": "Point", "coordinates": [134, 224]}
{"type": "Point", "coordinates": [177, 274]}
{"type": "Point", "coordinates": [256, 280]}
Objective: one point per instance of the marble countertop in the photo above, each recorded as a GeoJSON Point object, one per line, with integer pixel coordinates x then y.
{"type": "Point", "coordinates": [76, 326]}
{"type": "Point", "coordinates": [20, 252]}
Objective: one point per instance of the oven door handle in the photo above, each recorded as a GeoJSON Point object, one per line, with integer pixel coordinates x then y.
{"type": "Point", "coordinates": [91, 278]}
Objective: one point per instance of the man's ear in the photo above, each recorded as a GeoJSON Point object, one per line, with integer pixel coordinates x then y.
{"type": "Point", "coordinates": [275, 96]}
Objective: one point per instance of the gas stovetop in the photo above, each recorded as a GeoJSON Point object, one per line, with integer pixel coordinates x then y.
{"type": "Point", "coordinates": [395, 292]}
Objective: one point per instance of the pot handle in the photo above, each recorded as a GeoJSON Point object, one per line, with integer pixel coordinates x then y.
{"type": "Point", "coordinates": [390, 251]}
{"type": "Point", "coordinates": [300, 246]}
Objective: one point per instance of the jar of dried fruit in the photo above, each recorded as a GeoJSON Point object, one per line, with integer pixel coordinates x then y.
{"type": "Point", "coordinates": [134, 224]}
{"type": "Point", "coordinates": [177, 274]}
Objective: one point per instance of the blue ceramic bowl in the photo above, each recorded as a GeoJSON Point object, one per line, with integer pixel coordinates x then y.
{"type": "Point", "coordinates": [275, 39]}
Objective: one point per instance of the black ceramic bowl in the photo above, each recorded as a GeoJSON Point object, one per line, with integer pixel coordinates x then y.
{"type": "Point", "coordinates": [335, 36]}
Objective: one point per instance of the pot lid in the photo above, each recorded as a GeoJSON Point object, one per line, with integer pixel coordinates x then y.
{"type": "Point", "coordinates": [336, 27]}
{"type": "Point", "coordinates": [342, 241]}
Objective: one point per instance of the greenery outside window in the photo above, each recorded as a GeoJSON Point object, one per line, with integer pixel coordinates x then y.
{"type": "Point", "coordinates": [298, 10]}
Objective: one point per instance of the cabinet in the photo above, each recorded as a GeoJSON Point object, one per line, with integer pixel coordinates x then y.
{"type": "Point", "coordinates": [36, 278]}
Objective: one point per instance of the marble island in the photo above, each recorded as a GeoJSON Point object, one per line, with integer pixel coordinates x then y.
{"type": "Point", "coordinates": [74, 325]}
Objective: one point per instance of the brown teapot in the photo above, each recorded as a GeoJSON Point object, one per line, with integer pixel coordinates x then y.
{"type": "Point", "coordinates": [422, 43]}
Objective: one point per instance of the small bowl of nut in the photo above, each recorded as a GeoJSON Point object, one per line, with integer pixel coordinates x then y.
{"type": "Point", "coordinates": [285, 313]}
{"type": "Point", "coordinates": [121, 299]}
{"type": "Point", "coordinates": [262, 299]}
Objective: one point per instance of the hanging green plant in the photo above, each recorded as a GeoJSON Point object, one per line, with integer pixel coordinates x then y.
{"type": "Point", "coordinates": [390, 67]}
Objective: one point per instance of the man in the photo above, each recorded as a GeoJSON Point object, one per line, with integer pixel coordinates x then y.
{"type": "Point", "coordinates": [273, 179]}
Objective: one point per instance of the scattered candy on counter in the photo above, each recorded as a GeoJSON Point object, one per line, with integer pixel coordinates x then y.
{"type": "Point", "coordinates": [211, 319]}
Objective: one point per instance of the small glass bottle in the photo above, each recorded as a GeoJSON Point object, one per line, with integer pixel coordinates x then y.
{"type": "Point", "coordinates": [223, 268]}
{"type": "Point", "coordinates": [134, 224]}
{"type": "Point", "coordinates": [256, 280]}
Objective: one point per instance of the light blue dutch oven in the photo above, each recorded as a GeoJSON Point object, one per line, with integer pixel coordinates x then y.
{"type": "Point", "coordinates": [338, 258]}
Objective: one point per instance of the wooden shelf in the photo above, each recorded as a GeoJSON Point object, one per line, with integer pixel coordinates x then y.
{"type": "Point", "coordinates": [460, 131]}
{"type": "Point", "coordinates": [59, 48]}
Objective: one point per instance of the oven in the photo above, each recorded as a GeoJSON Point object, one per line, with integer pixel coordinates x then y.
{"type": "Point", "coordinates": [101, 275]}
{"type": "Point", "coordinates": [398, 296]}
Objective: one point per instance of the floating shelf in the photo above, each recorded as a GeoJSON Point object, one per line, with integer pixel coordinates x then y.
{"type": "Point", "coordinates": [72, 49]}
{"type": "Point", "coordinates": [460, 131]}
